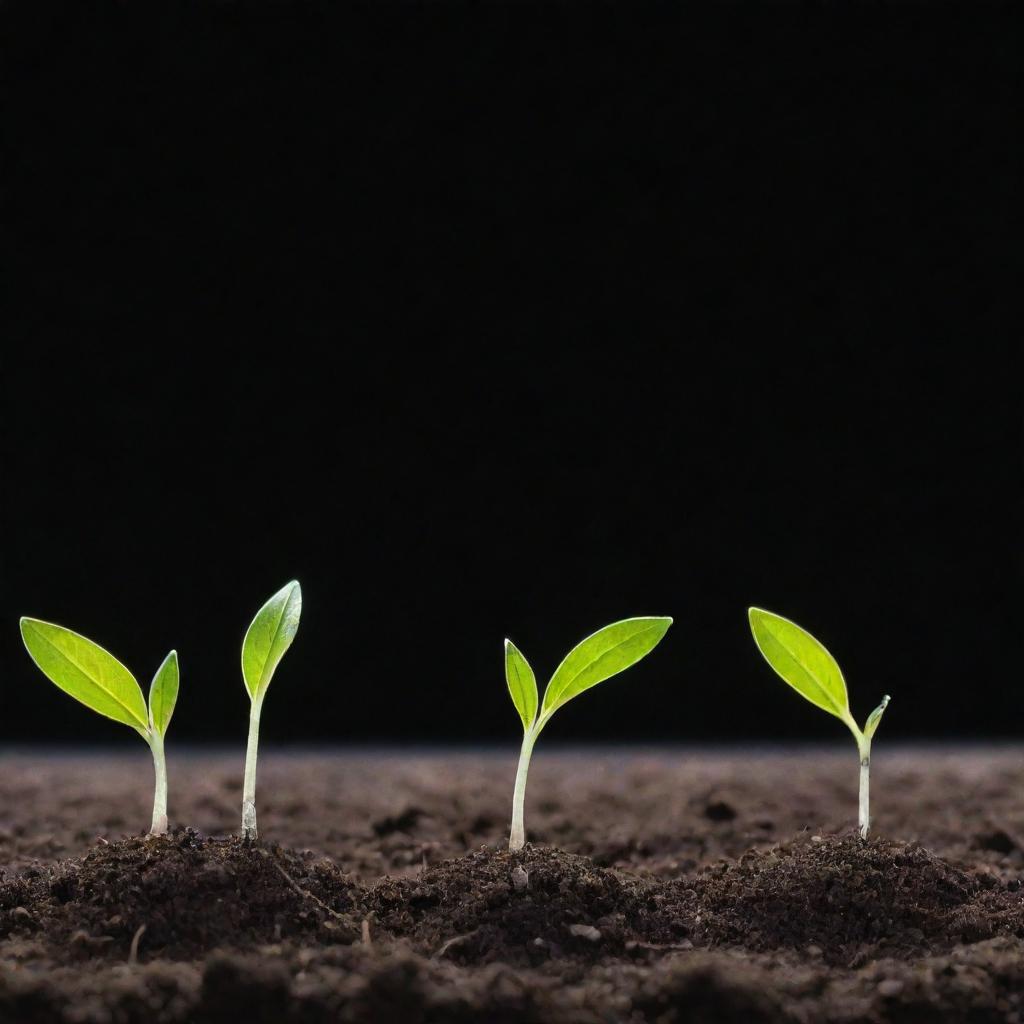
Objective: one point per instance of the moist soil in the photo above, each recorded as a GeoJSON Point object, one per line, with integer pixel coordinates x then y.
{"type": "Point", "coordinates": [657, 886]}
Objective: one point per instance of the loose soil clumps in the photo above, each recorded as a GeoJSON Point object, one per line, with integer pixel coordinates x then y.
{"type": "Point", "coordinates": [687, 910]}
{"type": "Point", "coordinates": [182, 895]}
{"type": "Point", "coordinates": [836, 898]}
{"type": "Point", "coordinates": [841, 898]}
{"type": "Point", "coordinates": [526, 907]}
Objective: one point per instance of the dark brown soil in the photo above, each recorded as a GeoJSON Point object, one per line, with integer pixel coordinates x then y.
{"type": "Point", "coordinates": [184, 896]}
{"type": "Point", "coordinates": [532, 907]}
{"type": "Point", "coordinates": [847, 900]}
{"type": "Point", "coordinates": [657, 888]}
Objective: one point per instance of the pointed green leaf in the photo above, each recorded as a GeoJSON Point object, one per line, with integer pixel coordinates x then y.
{"type": "Point", "coordinates": [163, 693]}
{"type": "Point", "coordinates": [875, 717]}
{"type": "Point", "coordinates": [522, 683]}
{"type": "Point", "coordinates": [269, 636]}
{"type": "Point", "coordinates": [801, 661]}
{"type": "Point", "coordinates": [86, 671]}
{"type": "Point", "coordinates": [602, 655]}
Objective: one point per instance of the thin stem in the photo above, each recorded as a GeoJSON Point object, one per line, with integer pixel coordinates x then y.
{"type": "Point", "coordinates": [517, 837]}
{"type": "Point", "coordinates": [864, 816]}
{"type": "Point", "coordinates": [156, 744]}
{"type": "Point", "coordinates": [249, 785]}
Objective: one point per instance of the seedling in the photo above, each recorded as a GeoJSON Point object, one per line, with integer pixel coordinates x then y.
{"type": "Point", "coordinates": [599, 657]}
{"type": "Point", "coordinates": [98, 680]}
{"type": "Point", "coordinates": [269, 635]}
{"type": "Point", "coordinates": [808, 667]}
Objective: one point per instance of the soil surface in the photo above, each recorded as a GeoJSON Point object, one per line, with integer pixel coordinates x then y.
{"type": "Point", "coordinates": [658, 886]}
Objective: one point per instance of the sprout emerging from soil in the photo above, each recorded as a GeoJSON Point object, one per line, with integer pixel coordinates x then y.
{"type": "Point", "coordinates": [808, 667]}
{"type": "Point", "coordinates": [600, 656]}
{"type": "Point", "coordinates": [98, 680]}
{"type": "Point", "coordinates": [270, 634]}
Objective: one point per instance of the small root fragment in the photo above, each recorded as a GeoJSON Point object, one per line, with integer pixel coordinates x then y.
{"type": "Point", "coordinates": [133, 952]}
{"type": "Point", "coordinates": [303, 892]}
{"type": "Point", "coordinates": [454, 941]}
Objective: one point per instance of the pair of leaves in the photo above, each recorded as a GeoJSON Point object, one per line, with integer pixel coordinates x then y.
{"type": "Point", "coordinates": [805, 664]}
{"type": "Point", "coordinates": [98, 680]}
{"type": "Point", "coordinates": [600, 656]}
{"type": "Point", "coordinates": [269, 635]}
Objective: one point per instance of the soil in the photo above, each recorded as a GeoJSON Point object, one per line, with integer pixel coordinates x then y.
{"type": "Point", "coordinates": [658, 886]}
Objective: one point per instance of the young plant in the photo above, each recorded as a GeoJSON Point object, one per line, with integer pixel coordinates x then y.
{"type": "Point", "coordinates": [804, 663]}
{"type": "Point", "coordinates": [98, 680]}
{"type": "Point", "coordinates": [600, 656]}
{"type": "Point", "coordinates": [270, 634]}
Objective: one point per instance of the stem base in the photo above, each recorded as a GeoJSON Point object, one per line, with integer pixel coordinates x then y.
{"type": "Point", "coordinates": [517, 837]}
{"type": "Point", "coordinates": [864, 815]}
{"type": "Point", "coordinates": [249, 782]}
{"type": "Point", "coordinates": [248, 820]}
{"type": "Point", "coordinates": [159, 825]}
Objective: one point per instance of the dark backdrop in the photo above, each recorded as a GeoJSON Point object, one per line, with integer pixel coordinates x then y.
{"type": "Point", "coordinates": [512, 321]}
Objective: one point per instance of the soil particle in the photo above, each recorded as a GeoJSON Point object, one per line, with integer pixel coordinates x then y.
{"type": "Point", "coordinates": [476, 909]}
{"type": "Point", "coordinates": [189, 895]}
{"type": "Point", "coordinates": [719, 810]}
{"type": "Point", "coordinates": [404, 821]}
{"type": "Point", "coordinates": [835, 899]}
{"type": "Point", "coordinates": [709, 993]}
{"type": "Point", "coordinates": [232, 991]}
{"type": "Point", "coordinates": [839, 896]}
{"type": "Point", "coordinates": [999, 840]}
{"type": "Point", "coordinates": [639, 900]}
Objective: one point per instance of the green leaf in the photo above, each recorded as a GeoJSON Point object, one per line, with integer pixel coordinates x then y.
{"type": "Point", "coordinates": [875, 717]}
{"type": "Point", "coordinates": [602, 655]}
{"type": "Point", "coordinates": [801, 661]}
{"type": "Point", "coordinates": [86, 671]}
{"type": "Point", "coordinates": [522, 683]}
{"type": "Point", "coordinates": [270, 634]}
{"type": "Point", "coordinates": [163, 693]}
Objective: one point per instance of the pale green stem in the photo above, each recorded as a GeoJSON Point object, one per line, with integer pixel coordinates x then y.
{"type": "Point", "coordinates": [517, 837]}
{"type": "Point", "coordinates": [156, 744]}
{"type": "Point", "coordinates": [249, 785]}
{"type": "Point", "coordinates": [864, 815]}
{"type": "Point", "coordinates": [864, 749]}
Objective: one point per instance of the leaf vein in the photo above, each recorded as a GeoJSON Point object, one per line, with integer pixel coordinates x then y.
{"type": "Point", "coordinates": [89, 679]}
{"type": "Point", "coordinates": [590, 664]}
{"type": "Point", "coordinates": [827, 696]}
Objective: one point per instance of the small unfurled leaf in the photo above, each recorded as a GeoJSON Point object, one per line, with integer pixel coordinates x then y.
{"type": "Point", "coordinates": [86, 671]}
{"type": "Point", "coordinates": [602, 655]}
{"type": "Point", "coordinates": [269, 636]}
{"type": "Point", "coordinates": [163, 693]}
{"type": "Point", "coordinates": [522, 683]}
{"type": "Point", "coordinates": [874, 718]}
{"type": "Point", "coordinates": [801, 661]}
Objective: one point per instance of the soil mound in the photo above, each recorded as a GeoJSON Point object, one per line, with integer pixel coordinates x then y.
{"type": "Point", "coordinates": [836, 896]}
{"type": "Point", "coordinates": [525, 907]}
{"type": "Point", "coordinates": [189, 894]}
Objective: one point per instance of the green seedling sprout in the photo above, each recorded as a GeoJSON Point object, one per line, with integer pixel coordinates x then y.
{"type": "Point", "coordinates": [98, 680]}
{"type": "Point", "coordinates": [269, 635]}
{"type": "Point", "coordinates": [599, 657]}
{"type": "Point", "coordinates": [808, 667]}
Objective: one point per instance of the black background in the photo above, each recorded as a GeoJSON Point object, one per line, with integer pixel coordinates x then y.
{"type": "Point", "coordinates": [512, 321]}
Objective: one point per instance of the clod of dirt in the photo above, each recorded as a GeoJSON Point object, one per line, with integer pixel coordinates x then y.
{"type": "Point", "coordinates": [404, 821]}
{"type": "Point", "coordinates": [997, 840]}
{"type": "Point", "coordinates": [190, 894]}
{"type": "Point", "coordinates": [840, 895]}
{"type": "Point", "coordinates": [705, 993]}
{"type": "Point", "coordinates": [474, 909]}
{"type": "Point", "coordinates": [719, 810]}
{"type": "Point", "coordinates": [66, 962]}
